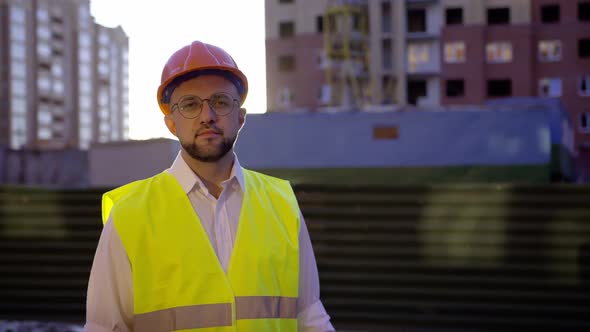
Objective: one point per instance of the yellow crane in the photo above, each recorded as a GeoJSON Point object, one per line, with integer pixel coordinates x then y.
{"type": "Point", "coordinates": [346, 42]}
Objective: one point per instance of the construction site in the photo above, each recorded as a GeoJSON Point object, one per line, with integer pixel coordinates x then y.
{"type": "Point", "coordinates": [444, 189]}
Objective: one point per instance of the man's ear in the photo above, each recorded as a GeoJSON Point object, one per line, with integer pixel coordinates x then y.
{"type": "Point", "coordinates": [169, 120]}
{"type": "Point", "coordinates": [242, 116]}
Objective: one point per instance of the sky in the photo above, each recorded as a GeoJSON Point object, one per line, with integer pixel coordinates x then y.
{"type": "Point", "coordinates": [157, 28]}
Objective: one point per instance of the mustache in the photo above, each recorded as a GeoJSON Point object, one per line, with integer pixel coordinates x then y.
{"type": "Point", "coordinates": [213, 128]}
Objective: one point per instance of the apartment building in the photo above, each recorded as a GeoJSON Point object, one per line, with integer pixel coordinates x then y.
{"type": "Point", "coordinates": [531, 48]}
{"type": "Point", "coordinates": [295, 56]}
{"type": "Point", "coordinates": [64, 77]}
{"type": "Point", "coordinates": [402, 52]}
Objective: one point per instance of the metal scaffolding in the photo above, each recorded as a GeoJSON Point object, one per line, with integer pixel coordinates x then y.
{"type": "Point", "coordinates": [346, 42]}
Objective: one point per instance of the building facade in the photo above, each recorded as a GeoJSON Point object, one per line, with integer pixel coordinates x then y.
{"type": "Point", "coordinates": [402, 52]}
{"type": "Point", "coordinates": [508, 49]}
{"type": "Point", "coordinates": [438, 52]}
{"type": "Point", "coordinates": [295, 57]}
{"type": "Point", "coordinates": [64, 77]}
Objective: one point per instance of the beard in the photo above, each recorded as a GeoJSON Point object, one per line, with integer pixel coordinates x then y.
{"type": "Point", "coordinates": [210, 152]}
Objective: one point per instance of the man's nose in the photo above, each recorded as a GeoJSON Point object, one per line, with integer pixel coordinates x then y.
{"type": "Point", "coordinates": [208, 115]}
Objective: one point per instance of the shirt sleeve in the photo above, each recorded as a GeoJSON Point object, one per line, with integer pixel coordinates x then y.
{"type": "Point", "coordinates": [109, 302]}
{"type": "Point", "coordinates": [311, 317]}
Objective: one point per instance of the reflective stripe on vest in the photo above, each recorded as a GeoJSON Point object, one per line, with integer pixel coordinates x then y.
{"type": "Point", "coordinates": [256, 307]}
{"type": "Point", "coordinates": [178, 282]}
{"type": "Point", "coordinates": [216, 315]}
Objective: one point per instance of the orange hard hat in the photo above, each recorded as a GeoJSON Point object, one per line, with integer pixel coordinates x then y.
{"type": "Point", "coordinates": [196, 59]}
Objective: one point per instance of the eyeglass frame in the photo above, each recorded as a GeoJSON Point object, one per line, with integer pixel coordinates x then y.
{"type": "Point", "coordinates": [175, 105]}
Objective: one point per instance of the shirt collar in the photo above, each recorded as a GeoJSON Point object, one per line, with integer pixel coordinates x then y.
{"type": "Point", "coordinates": [188, 179]}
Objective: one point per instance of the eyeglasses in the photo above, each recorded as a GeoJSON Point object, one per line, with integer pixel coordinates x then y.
{"type": "Point", "coordinates": [191, 106]}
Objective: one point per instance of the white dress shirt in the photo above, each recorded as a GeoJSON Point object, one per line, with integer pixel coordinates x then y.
{"type": "Point", "coordinates": [110, 288]}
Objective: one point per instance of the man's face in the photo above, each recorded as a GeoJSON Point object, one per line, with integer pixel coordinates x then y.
{"type": "Point", "coordinates": [208, 137]}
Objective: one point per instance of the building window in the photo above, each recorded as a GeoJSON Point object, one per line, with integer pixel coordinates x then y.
{"type": "Point", "coordinates": [584, 11]}
{"type": "Point", "coordinates": [550, 87]}
{"type": "Point", "coordinates": [42, 14]}
{"type": "Point", "coordinates": [322, 59]}
{"type": "Point", "coordinates": [103, 54]}
{"type": "Point", "coordinates": [499, 52]}
{"type": "Point", "coordinates": [286, 29]}
{"type": "Point", "coordinates": [85, 40]}
{"type": "Point", "coordinates": [18, 131]}
{"type": "Point", "coordinates": [549, 50]}
{"type": "Point", "coordinates": [18, 69]}
{"type": "Point", "coordinates": [584, 48]}
{"type": "Point", "coordinates": [455, 88]}
{"type": "Point", "coordinates": [455, 52]}
{"type": "Point", "coordinates": [43, 50]}
{"type": "Point", "coordinates": [17, 14]}
{"type": "Point", "coordinates": [386, 55]}
{"type": "Point", "coordinates": [103, 37]}
{"type": "Point", "coordinates": [286, 97]}
{"type": "Point", "coordinates": [418, 54]}
{"type": "Point", "coordinates": [584, 85]}
{"type": "Point", "coordinates": [58, 87]}
{"type": "Point", "coordinates": [44, 117]}
{"type": "Point", "coordinates": [19, 106]}
{"type": "Point", "coordinates": [85, 86]}
{"type": "Point", "coordinates": [585, 122]}
{"type": "Point", "coordinates": [84, 55]}
{"type": "Point", "coordinates": [43, 32]}
{"type": "Point", "coordinates": [415, 90]}
{"type": "Point", "coordinates": [498, 15]}
{"type": "Point", "coordinates": [324, 94]}
{"type": "Point", "coordinates": [386, 17]}
{"type": "Point", "coordinates": [357, 22]}
{"type": "Point", "coordinates": [85, 71]}
{"type": "Point", "coordinates": [17, 51]}
{"type": "Point", "coordinates": [18, 32]}
{"type": "Point", "coordinates": [454, 16]}
{"type": "Point", "coordinates": [388, 84]}
{"type": "Point", "coordinates": [319, 24]}
{"type": "Point", "coordinates": [44, 133]}
{"type": "Point", "coordinates": [103, 68]}
{"type": "Point", "coordinates": [43, 83]}
{"type": "Point", "coordinates": [416, 20]}
{"type": "Point", "coordinates": [57, 20]}
{"type": "Point", "coordinates": [499, 88]}
{"type": "Point", "coordinates": [286, 63]}
{"type": "Point", "coordinates": [18, 87]}
{"type": "Point", "coordinates": [550, 13]}
{"type": "Point", "coordinates": [85, 102]}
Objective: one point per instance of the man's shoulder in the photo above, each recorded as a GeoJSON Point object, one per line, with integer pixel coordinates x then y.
{"type": "Point", "coordinates": [262, 178]}
{"type": "Point", "coordinates": [136, 190]}
{"type": "Point", "coordinates": [270, 184]}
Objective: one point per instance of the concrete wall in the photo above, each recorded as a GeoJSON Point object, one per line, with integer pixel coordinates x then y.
{"type": "Point", "coordinates": [115, 164]}
{"type": "Point", "coordinates": [59, 168]}
{"type": "Point", "coordinates": [424, 138]}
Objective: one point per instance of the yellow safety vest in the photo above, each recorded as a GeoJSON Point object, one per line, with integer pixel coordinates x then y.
{"type": "Point", "coordinates": [178, 281]}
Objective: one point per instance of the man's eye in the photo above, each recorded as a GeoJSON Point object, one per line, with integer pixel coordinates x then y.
{"type": "Point", "coordinates": [190, 105]}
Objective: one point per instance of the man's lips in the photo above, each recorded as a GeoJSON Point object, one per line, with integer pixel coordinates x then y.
{"type": "Point", "coordinates": [208, 133]}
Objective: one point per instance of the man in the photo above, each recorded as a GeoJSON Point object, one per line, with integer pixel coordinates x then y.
{"type": "Point", "coordinates": [206, 244]}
